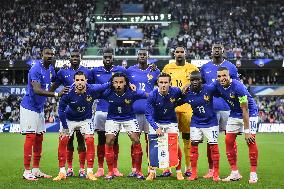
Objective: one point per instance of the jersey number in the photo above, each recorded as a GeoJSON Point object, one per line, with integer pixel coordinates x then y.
{"type": "Point", "coordinates": [215, 134]}
{"type": "Point", "coordinates": [253, 125]}
{"type": "Point", "coordinates": [179, 83]}
{"type": "Point", "coordinates": [80, 108]}
{"type": "Point", "coordinates": [201, 109]}
{"type": "Point", "coordinates": [142, 86]}
{"type": "Point", "coordinates": [119, 110]}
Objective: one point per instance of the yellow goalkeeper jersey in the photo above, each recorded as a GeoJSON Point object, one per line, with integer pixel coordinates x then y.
{"type": "Point", "coordinates": [180, 77]}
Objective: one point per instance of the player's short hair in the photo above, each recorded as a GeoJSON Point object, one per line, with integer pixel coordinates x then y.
{"type": "Point", "coordinates": [163, 74]}
{"type": "Point", "coordinates": [79, 73]}
{"type": "Point", "coordinates": [195, 73]}
{"type": "Point", "coordinates": [142, 49]}
{"type": "Point", "coordinates": [218, 44]}
{"type": "Point", "coordinates": [222, 69]}
{"type": "Point", "coordinates": [76, 51]}
{"type": "Point", "coordinates": [181, 46]}
{"type": "Point", "coordinates": [45, 49]}
{"type": "Point", "coordinates": [108, 50]}
{"type": "Point", "coordinates": [119, 74]}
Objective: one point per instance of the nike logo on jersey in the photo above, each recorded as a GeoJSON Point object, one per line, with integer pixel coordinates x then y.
{"type": "Point", "coordinates": [208, 72]}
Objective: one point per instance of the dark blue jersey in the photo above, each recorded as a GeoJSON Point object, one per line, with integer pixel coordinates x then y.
{"type": "Point", "coordinates": [40, 74]}
{"type": "Point", "coordinates": [233, 95]}
{"type": "Point", "coordinates": [78, 107]}
{"type": "Point", "coordinates": [144, 80]}
{"type": "Point", "coordinates": [100, 76]}
{"type": "Point", "coordinates": [120, 106]}
{"type": "Point", "coordinates": [65, 76]}
{"type": "Point", "coordinates": [161, 108]}
{"type": "Point", "coordinates": [201, 103]}
{"type": "Point", "coordinates": [209, 74]}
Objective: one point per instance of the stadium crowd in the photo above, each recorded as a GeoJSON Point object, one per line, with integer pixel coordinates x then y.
{"type": "Point", "coordinates": [29, 25]}
{"type": "Point", "coordinates": [10, 109]}
{"type": "Point", "coordinates": [248, 28]}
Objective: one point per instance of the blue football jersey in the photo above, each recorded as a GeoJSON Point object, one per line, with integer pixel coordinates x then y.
{"type": "Point", "coordinates": [201, 103]}
{"type": "Point", "coordinates": [100, 76]}
{"type": "Point", "coordinates": [78, 107]}
{"type": "Point", "coordinates": [38, 73]}
{"type": "Point", "coordinates": [65, 77]}
{"type": "Point", "coordinates": [232, 94]}
{"type": "Point", "coordinates": [144, 80]}
{"type": "Point", "coordinates": [209, 74]}
{"type": "Point", "coordinates": [161, 108]}
{"type": "Point", "coordinates": [120, 107]}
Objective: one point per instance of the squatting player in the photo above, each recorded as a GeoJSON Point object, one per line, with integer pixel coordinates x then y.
{"type": "Point", "coordinates": [65, 77]}
{"type": "Point", "coordinates": [102, 75]}
{"type": "Point", "coordinates": [160, 112]}
{"type": "Point", "coordinates": [120, 114]}
{"type": "Point", "coordinates": [144, 77]}
{"type": "Point", "coordinates": [243, 118]}
{"type": "Point", "coordinates": [203, 122]}
{"type": "Point", "coordinates": [32, 113]}
{"type": "Point", "coordinates": [179, 71]}
{"type": "Point", "coordinates": [75, 113]}
{"type": "Point", "coordinates": [209, 75]}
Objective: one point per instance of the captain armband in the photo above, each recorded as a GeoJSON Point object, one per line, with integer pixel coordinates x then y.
{"type": "Point", "coordinates": [243, 99]}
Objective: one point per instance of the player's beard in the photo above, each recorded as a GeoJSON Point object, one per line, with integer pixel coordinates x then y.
{"type": "Point", "coordinates": [80, 88]}
{"type": "Point", "coordinates": [224, 82]}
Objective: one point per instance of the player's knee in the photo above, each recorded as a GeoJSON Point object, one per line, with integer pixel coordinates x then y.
{"type": "Point", "coordinates": [110, 140]}
{"type": "Point", "coordinates": [31, 137]}
{"type": "Point", "coordinates": [101, 138]}
{"type": "Point", "coordinates": [186, 136]}
{"type": "Point", "coordinates": [39, 137]}
{"type": "Point", "coordinates": [195, 143]}
{"type": "Point", "coordinates": [89, 139]}
{"type": "Point", "coordinates": [135, 140]}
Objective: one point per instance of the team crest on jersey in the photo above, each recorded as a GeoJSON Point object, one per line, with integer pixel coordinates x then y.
{"type": "Point", "coordinates": [232, 95]}
{"type": "Point", "coordinates": [172, 100]}
{"type": "Point", "coordinates": [89, 98]}
{"type": "Point", "coordinates": [150, 77]}
{"type": "Point", "coordinates": [206, 98]}
{"type": "Point", "coordinates": [127, 101]}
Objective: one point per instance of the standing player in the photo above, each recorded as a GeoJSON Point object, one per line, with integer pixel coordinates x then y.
{"type": "Point", "coordinates": [179, 71]}
{"type": "Point", "coordinates": [144, 77]}
{"type": "Point", "coordinates": [32, 114]}
{"type": "Point", "coordinates": [243, 118]}
{"type": "Point", "coordinates": [102, 75]}
{"type": "Point", "coordinates": [65, 77]}
{"type": "Point", "coordinates": [75, 112]}
{"type": "Point", "coordinates": [160, 112]}
{"type": "Point", "coordinates": [120, 114]}
{"type": "Point", "coordinates": [209, 74]}
{"type": "Point", "coordinates": [203, 122]}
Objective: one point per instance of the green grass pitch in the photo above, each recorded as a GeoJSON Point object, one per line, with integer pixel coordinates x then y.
{"type": "Point", "coordinates": [270, 171]}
